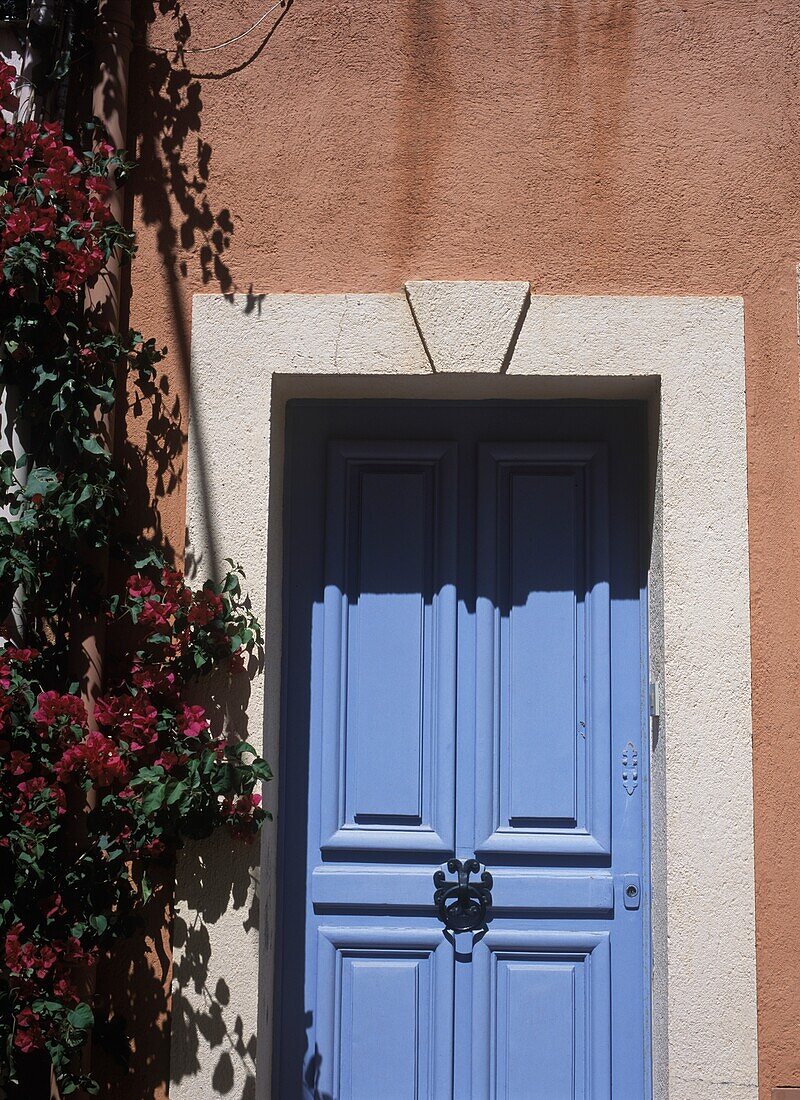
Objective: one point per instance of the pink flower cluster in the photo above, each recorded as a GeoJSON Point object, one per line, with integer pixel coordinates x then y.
{"type": "Point", "coordinates": [141, 722]}
{"type": "Point", "coordinates": [96, 757]}
{"type": "Point", "coordinates": [132, 718]}
{"type": "Point", "coordinates": [52, 201]}
{"type": "Point", "coordinates": [238, 814]}
{"type": "Point", "coordinates": [36, 801]}
{"type": "Point", "coordinates": [60, 712]}
{"type": "Point", "coordinates": [36, 967]}
{"type": "Point", "coordinates": [167, 608]}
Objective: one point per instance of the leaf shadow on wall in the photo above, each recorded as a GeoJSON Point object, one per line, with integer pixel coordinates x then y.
{"type": "Point", "coordinates": [217, 881]}
{"type": "Point", "coordinates": [171, 190]}
{"type": "Point", "coordinates": [148, 1042]}
{"type": "Point", "coordinates": [172, 179]}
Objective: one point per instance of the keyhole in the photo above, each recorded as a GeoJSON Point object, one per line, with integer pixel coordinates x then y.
{"type": "Point", "coordinates": [631, 891]}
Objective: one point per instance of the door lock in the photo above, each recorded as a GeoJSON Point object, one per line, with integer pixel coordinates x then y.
{"type": "Point", "coordinates": [631, 891]}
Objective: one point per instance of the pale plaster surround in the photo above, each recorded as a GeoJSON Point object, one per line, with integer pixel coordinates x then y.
{"type": "Point", "coordinates": [686, 357]}
{"type": "Point", "coordinates": [469, 333]}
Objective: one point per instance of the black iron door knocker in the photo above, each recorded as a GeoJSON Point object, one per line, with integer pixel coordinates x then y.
{"type": "Point", "coordinates": [462, 906]}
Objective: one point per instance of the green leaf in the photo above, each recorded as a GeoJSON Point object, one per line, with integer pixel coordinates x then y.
{"type": "Point", "coordinates": [242, 747]}
{"type": "Point", "coordinates": [177, 792]}
{"type": "Point", "coordinates": [154, 799]}
{"type": "Point", "coordinates": [81, 1017]}
{"type": "Point", "coordinates": [93, 446]}
{"type": "Point", "coordinates": [261, 769]}
{"type": "Point", "coordinates": [98, 922]}
{"type": "Point", "coordinates": [151, 557]}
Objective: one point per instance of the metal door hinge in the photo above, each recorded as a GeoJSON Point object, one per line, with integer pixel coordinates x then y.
{"type": "Point", "coordinates": [655, 699]}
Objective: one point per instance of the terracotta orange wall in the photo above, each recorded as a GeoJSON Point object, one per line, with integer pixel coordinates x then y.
{"type": "Point", "coordinates": [615, 146]}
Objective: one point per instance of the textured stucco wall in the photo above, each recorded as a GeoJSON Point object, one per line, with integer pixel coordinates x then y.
{"type": "Point", "coordinates": [617, 146]}
{"type": "Point", "coordinates": [688, 351]}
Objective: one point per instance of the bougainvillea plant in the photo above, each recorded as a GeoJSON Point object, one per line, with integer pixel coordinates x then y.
{"type": "Point", "coordinates": [87, 801]}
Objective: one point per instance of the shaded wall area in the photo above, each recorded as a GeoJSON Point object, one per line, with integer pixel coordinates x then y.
{"type": "Point", "coordinates": [589, 146]}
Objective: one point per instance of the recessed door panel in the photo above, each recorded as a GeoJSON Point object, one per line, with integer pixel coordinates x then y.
{"type": "Point", "coordinates": [541, 1016]}
{"type": "Point", "coordinates": [540, 764]}
{"type": "Point", "coordinates": [384, 1003]}
{"type": "Point", "coordinates": [388, 735]}
{"type": "Point", "coordinates": [543, 652]}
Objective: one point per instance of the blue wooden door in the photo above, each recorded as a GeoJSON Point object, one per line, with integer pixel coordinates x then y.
{"type": "Point", "coordinates": [464, 651]}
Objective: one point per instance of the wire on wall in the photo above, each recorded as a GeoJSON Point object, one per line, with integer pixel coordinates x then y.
{"type": "Point", "coordinates": [228, 41]}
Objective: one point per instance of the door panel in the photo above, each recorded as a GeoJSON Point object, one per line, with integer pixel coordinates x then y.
{"type": "Point", "coordinates": [384, 1002]}
{"type": "Point", "coordinates": [465, 674]}
{"type": "Point", "coordinates": [543, 659]}
{"type": "Point", "coordinates": [388, 736]}
{"type": "Point", "coordinates": [541, 1012]}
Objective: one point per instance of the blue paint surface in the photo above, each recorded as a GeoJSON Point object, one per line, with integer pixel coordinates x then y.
{"type": "Point", "coordinates": [464, 643]}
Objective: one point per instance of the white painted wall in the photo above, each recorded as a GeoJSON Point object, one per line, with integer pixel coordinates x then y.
{"type": "Point", "coordinates": [687, 356]}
